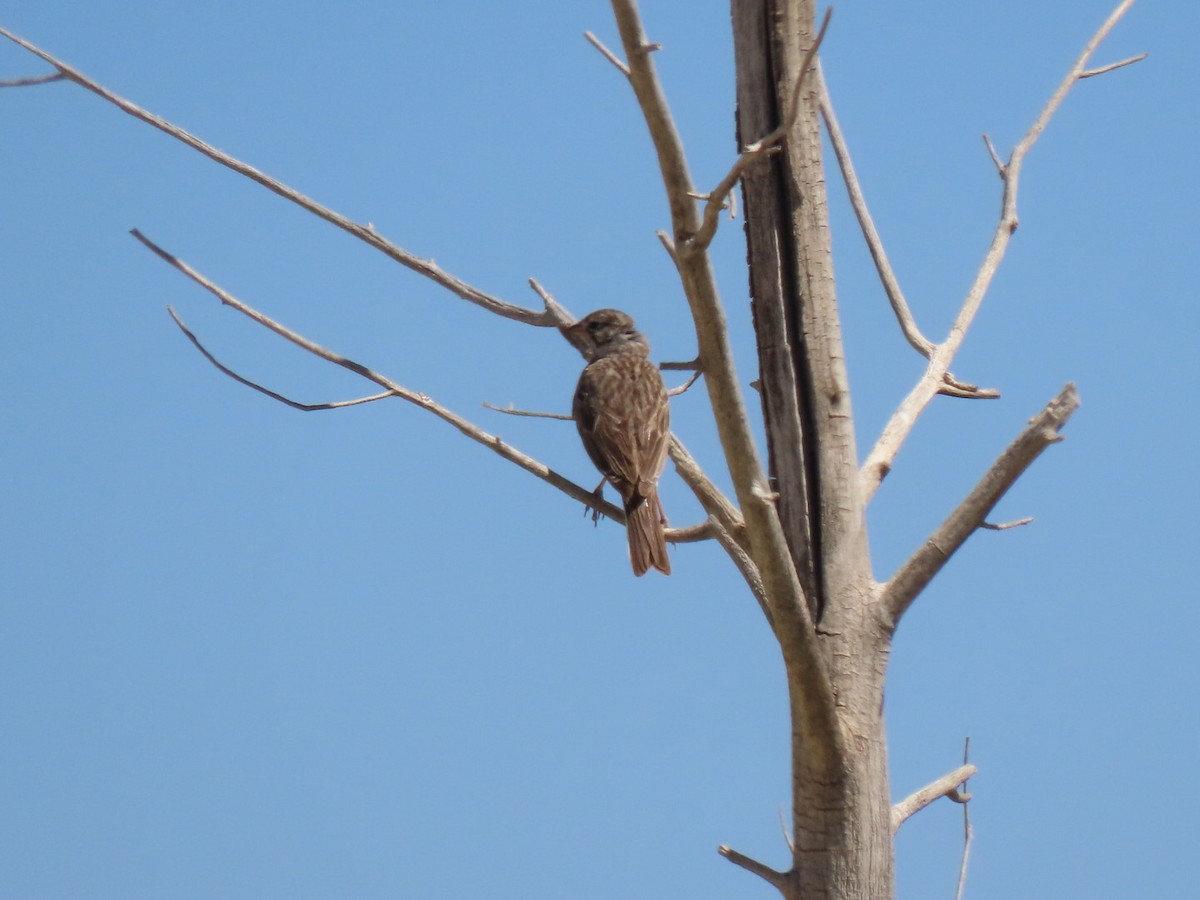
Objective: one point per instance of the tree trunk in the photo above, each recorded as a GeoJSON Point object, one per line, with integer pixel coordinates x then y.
{"type": "Point", "coordinates": [841, 806]}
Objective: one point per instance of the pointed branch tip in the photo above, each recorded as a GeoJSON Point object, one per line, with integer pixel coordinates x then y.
{"type": "Point", "coordinates": [765, 872]}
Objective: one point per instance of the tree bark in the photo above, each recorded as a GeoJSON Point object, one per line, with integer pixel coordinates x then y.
{"type": "Point", "coordinates": [841, 807]}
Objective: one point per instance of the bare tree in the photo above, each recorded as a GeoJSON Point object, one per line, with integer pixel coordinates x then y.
{"type": "Point", "coordinates": [796, 527]}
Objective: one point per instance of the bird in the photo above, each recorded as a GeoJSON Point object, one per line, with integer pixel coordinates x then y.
{"type": "Point", "coordinates": [624, 420]}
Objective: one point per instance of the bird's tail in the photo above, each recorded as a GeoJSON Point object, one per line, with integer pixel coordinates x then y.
{"type": "Point", "coordinates": [644, 522]}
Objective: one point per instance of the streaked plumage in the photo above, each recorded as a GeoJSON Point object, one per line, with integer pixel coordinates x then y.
{"type": "Point", "coordinates": [623, 417]}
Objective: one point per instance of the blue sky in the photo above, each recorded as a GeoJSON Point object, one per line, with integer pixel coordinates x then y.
{"type": "Point", "coordinates": [250, 652]}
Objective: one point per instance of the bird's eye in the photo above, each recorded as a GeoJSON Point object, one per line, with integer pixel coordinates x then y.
{"type": "Point", "coordinates": [593, 327]}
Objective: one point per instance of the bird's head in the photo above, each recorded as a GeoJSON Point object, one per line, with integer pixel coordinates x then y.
{"type": "Point", "coordinates": [607, 332]}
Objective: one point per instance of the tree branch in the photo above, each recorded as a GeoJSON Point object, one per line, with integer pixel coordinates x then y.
{"type": "Point", "coordinates": [606, 53]}
{"type": "Point", "coordinates": [943, 787]}
{"type": "Point", "coordinates": [1042, 431]}
{"type": "Point", "coordinates": [510, 410]}
{"type": "Point", "coordinates": [763, 871]}
{"type": "Point", "coordinates": [882, 455]}
{"type": "Point", "coordinates": [676, 391]}
{"type": "Point", "coordinates": [36, 79]}
{"type": "Point", "coordinates": [714, 502]}
{"type": "Point", "coordinates": [474, 432]}
{"type": "Point", "coordinates": [1092, 73]}
{"type": "Point", "coordinates": [550, 316]}
{"type": "Point", "coordinates": [883, 266]}
{"type": "Point", "coordinates": [1004, 526]}
{"type": "Point", "coordinates": [294, 404]}
{"type": "Point", "coordinates": [768, 548]}
{"type": "Point", "coordinates": [967, 830]}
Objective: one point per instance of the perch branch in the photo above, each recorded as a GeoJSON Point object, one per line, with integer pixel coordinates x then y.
{"type": "Point", "coordinates": [882, 455]}
{"type": "Point", "coordinates": [547, 317]}
{"type": "Point", "coordinates": [1042, 431]}
{"type": "Point", "coordinates": [474, 432]}
{"type": "Point", "coordinates": [723, 514]}
{"type": "Point", "coordinates": [883, 266]}
{"type": "Point", "coordinates": [943, 787]}
{"type": "Point", "coordinates": [765, 872]}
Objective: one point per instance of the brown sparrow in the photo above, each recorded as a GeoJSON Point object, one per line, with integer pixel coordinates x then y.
{"type": "Point", "coordinates": [623, 417]}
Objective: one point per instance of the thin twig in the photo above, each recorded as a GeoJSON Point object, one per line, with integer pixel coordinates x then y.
{"type": "Point", "coordinates": [763, 871]}
{"type": "Point", "coordinates": [1042, 431]}
{"type": "Point", "coordinates": [690, 365]}
{"type": "Point", "coordinates": [676, 391]}
{"type": "Point", "coordinates": [606, 53]}
{"type": "Point", "coordinates": [1001, 168]}
{"type": "Point", "coordinates": [713, 501]}
{"type": "Point", "coordinates": [294, 404]}
{"type": "Point", "coordinates": [727, 520]}
{"type": "Point", "coordinates": [1092, 73]}
{"type": "Point", "coordinates": [900, 425]}
{"type": "Point", "coordinates": [512, 411]}
{"type": "Point", "coordinates": [668, 245]}
{"type": "Point", "coordinates": [365, 233]}
{"type": "Point", "coordinates": [35, 79]}
{"type": "Point", "coordinates": [474, 432]}
{"type": "Point", "coordinates": [787, 834]}
{"type": "Point", "coordinates": [883, 266]}
{"type": "Point", "coordinates": [758, 149]}
{"type": "Point", "coordinates": [553, 308]}
{"type": "Point", "coordinates": [950, 387]}
{"type": "Point", "coordinates": [1004, 526]}
{"type": "Point", "coordinates": [968, 832]}
{"type": "Point", "coordinates": [749, 571]}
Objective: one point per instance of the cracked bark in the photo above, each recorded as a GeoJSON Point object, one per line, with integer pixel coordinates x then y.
{"type": "Point", "coordinates": [841, 811]}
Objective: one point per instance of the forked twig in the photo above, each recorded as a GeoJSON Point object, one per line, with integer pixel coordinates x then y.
{"type": "Point", "coordinates": [253, 385]}
{"type": "Point", "coordinates": [366, 233]}
{"type": "Point", "coordinates": [1042, 431]}
{"type": "Point", "coordinates": [900, 425]}
{"type": "Point", "coordinates": [474, 432]}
